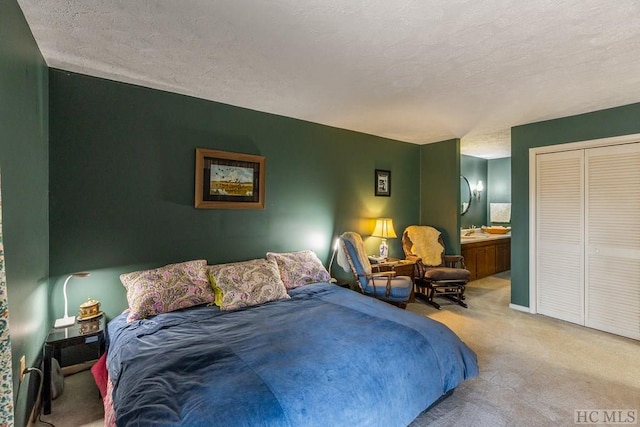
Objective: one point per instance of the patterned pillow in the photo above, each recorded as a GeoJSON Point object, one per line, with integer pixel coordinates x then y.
{"type": "Point", "coordinates": [299, 268]}
{"type": "Point", "coordinates": [168, 288]}
{"type": "Point", "coordinates": [243, 284]}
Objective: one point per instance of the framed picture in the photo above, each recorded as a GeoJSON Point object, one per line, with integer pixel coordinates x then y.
{"type": "Point", "coordinates": [383, 183]}
{"type": "Point", "coordinates": [229, 180]}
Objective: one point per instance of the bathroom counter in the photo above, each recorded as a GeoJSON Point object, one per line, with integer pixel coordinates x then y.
{"type": "Point", "coordinates": [482, 237]}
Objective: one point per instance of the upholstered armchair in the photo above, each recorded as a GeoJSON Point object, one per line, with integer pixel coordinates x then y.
{"type": "Point", "coordinates": [436, 274]}
{"type": "Point", "coordinates": [381, 285]}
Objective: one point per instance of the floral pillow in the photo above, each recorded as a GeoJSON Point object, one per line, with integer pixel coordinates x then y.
{"type": "Point", "coordinates": [168, 288]}
{"type": "Point", "coordinates": [299, 268]}
{"type": "Point", "coordinates": [243, 284]}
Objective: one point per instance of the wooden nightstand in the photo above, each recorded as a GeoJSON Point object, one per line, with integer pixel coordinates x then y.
{"type": "Point", "coordinates": [80, 333]}
{"type": "Point", "coordinates": [402, 267]}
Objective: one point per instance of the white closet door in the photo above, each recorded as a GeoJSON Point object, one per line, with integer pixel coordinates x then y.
{"type": "Point", "coordinates": [559, 229]}
{"type": "Point", "coordinates": [612, 280]}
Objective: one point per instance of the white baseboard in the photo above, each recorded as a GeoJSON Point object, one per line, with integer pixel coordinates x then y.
{"type": "Point", "coordinates": [520, 308]}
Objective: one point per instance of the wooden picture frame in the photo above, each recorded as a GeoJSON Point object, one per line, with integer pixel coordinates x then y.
{"type": "Point", "coordinates": [382, 183]}
{"type": "Point", "coordinates": [226, 180]}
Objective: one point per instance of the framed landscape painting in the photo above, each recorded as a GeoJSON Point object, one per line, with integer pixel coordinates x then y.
{"type": "Point", "coordinates": [227, 180]}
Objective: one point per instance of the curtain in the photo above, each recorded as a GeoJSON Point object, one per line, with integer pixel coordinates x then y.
{"type": "Point", "coordinates": [6, 380]}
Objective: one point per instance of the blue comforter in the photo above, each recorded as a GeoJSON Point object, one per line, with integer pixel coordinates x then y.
{"type": "Point", "coordinates": [326, 357]}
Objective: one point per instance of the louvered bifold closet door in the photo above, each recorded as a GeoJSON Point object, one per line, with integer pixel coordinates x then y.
{"type": "Point", "coordinates": [559, 235]}
{"type": "Point", "coordinates": [613, 239]}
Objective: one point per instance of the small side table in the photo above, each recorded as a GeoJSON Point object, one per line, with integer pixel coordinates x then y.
{"type": "Point", "coordinates": [80, 333]}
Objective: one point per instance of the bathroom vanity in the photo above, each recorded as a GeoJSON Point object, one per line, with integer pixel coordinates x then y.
{"type": "Point", "coordinates": [486, 254]}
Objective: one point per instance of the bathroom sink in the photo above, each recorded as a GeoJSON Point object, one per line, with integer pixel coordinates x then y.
{"type": "Point", "coordinates": [473, 237]}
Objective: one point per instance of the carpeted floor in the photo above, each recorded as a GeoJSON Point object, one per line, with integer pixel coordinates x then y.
{"type": "Point", "coordinates": [534, 370]}
{"type": "Point", "coordinates": [78, 405]}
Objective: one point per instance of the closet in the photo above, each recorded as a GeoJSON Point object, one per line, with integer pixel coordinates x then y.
{"type": "Point", "coordinates": [586, 230]}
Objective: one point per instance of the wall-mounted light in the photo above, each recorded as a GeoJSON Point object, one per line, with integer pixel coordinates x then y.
{"type": "Point", "coordinates": [67, 320]}
{"type": "Point", "coordinates": [477, 190]}
{"type": "Point", "coordinates": [384, 229]}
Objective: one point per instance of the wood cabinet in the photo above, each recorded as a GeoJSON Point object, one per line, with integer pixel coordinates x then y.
{"type": "Point", "coordinates": [485, 261]}
{"type": "Point", "coordinates": [487, 257]}
{"type": "Point", "coordinates": [503, 255]}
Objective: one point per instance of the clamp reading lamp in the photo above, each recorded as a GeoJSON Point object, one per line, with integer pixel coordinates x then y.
{"type": "Point", "coordinates": [333, 256]}
{"type": "Point", "coordinates": [67, 320]}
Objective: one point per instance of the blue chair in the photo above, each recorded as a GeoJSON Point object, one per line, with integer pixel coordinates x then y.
{"type": "Point", "coordinates": [381, 285]}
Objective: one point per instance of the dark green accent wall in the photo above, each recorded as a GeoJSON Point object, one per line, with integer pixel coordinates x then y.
{"type": "Point", "coordinates": [498, 188]}
{"type": "Point", "coordinates": [122, 184]}
{"type": "Point", "coordinates": [439, 190]}
{"type": "Point", "coordinates": [475, 169]}
{"type": "Point", "coordinates": [611, 122]}
{"type": "Point", "coordinates": [24, 166]}
{"type": "Point", "coordinates": [499, 178]}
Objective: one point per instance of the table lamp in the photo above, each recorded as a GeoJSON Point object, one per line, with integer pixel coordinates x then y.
{"type": "Point", "coordinates": [67, 320]}
{"type": "Point", "coordinates": [384, 229]}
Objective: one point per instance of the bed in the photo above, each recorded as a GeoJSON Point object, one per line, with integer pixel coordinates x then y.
{"type": "Point", "coordinates": [324, 355]}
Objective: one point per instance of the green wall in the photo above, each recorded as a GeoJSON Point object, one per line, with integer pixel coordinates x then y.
{"type": "Point", "coordinates": [475, 169]}
{"type": "Point", "coordinates": [25, 199]}
{"type": "Point", "coordinates": [499, 178]}
{"type": "Point", "coordinates": [618, 121]}
{"type": "Point", "coordinates": [440, 190]}
{"type": "Point", "coordinates": [122, 184]}
{"type": "Point", "coordinates": [498, 188]}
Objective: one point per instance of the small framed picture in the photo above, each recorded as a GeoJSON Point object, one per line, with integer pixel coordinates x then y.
{"type": "Point", "coordinates": [383, 183]}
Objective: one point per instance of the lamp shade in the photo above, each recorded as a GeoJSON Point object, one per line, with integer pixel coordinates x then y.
{"type": "Point", "coordinates": [384, 229]}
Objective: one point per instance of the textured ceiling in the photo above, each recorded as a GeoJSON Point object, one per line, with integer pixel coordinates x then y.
{"type": "Point", "coordinates": [418, 71]}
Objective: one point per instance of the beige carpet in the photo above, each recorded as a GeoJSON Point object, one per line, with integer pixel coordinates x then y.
{"type": "Point", "coordinates": [78, 405]}
{"type": "Point", "coordinates": [534, 371]}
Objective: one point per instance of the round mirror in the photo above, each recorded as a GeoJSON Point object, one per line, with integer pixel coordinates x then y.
{"type": "Point", "coordinates": [465, 195]}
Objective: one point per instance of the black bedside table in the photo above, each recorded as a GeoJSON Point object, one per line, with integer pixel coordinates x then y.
{"type": "Point", "coordinates": [80, 333]}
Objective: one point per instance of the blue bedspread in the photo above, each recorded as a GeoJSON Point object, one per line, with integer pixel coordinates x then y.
{"type": "Point", "coordinates": [326, 357]}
